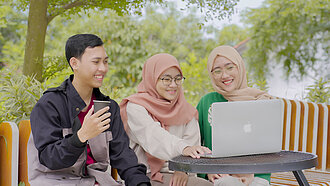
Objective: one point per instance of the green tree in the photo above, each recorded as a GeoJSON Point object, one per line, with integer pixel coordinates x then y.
{"type": "Point", "coordinates": [231, 35]}
{"type": "Point", "coordinates": [12, 29]}
{"type": "Point", "coordinates": [122, 36]}
{"type": "Point", "coordinates": [294, 33]}
{"type": "Point", "coordinates": [197, 82]}
{"type": "Point", "coordinates": [171, 32]}
{"type": "Point", "coordinates": [129, 41]}
{"type": "Point", "coordinates": [126, 44]}
{"type": "Point", "coordinates": [42, 12]}
{"type": "Point", "coordinates": [123, 43]}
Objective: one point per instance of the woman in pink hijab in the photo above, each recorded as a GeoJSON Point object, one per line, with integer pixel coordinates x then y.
{"type": "Point", "coordinates": [161, 124]}
{"type": "Point", "coordinates": [227, 72]}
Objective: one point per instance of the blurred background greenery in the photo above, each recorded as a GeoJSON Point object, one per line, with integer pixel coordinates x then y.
{"type": "Point", "coordinates": [293, 34]}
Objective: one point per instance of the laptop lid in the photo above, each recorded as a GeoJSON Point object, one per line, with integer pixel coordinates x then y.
{"type": "Point", "coordinates": [246, 127]}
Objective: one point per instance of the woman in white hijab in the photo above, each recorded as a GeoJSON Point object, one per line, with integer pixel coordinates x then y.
{"type": "Point", "coordinates": [228, 76]}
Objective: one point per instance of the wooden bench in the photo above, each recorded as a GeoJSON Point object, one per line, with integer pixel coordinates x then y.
{"type": "Point", "coordinates": [24, 135]}
{"type": "Point", "coordinates": [8, 154]}
{"type": "Point", "coordinates": [306, 129]}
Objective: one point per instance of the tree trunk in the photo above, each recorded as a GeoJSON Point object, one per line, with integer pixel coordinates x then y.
{"type": "Point", "coordinates": [35, 39]}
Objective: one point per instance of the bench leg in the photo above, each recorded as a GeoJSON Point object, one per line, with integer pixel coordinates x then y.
{"type": "Point", "coordinates": [300, 178]}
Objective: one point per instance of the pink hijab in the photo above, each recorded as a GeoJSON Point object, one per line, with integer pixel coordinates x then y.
{"type": "Point", "coordinates": [168, 113]}
{"type": "Point", "coordinates": [242, 91]}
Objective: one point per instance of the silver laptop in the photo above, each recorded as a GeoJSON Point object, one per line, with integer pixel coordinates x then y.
{"type": "Point", "coordinates": [246, 127]}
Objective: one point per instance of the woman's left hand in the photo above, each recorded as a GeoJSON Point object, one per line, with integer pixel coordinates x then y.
{"type": "Point", "coordinates": [195, 151]}
{"type": "Point", "coordinates": [179, 179]}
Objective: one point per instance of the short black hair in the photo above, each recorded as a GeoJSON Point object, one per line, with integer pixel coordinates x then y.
{"type": "Point", "coordinates": [76, 45]}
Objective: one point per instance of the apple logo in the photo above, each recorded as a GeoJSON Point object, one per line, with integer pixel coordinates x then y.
{"type": "Point", "coordinates": [247, 127]}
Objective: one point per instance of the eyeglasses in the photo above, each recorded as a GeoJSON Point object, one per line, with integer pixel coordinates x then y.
{"type": "Point", "coordinates": [219, 71]}
{"type": "Point", "coordinates": [167, 80]}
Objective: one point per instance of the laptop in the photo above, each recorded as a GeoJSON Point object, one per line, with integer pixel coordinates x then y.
{"type": "Point", "coordinates": [246, 127]}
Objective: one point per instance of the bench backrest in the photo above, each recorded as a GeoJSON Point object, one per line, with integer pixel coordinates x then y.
{"type": "Point", "coordinates": [24, 134]}
{"type": "Point", "coordinates": [8, 154]}
{"type": "Point", "coordinates": [306, 128]}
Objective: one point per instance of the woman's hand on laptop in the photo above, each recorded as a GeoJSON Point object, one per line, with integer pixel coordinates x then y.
{"type": "Point", "coordinates": [213, 177]}
{"type": "Point", "coordinates": [247, 179]}
{"type": "Point", "coordinates": [195, 151]}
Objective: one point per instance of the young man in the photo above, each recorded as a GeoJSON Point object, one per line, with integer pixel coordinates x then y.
{"type": "Point", "coordinates": [72, 145]}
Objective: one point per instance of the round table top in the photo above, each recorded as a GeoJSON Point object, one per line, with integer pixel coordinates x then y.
{"type": "Point", "coordinates": [283, 161]}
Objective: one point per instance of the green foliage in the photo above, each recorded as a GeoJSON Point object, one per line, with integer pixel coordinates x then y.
{"type": "Point", "coordinates": [53, 66]}
{"type": "Point", "coordinates": [48, 10]}
{"type": "Point", "coordinates": [260, 84]}
{"type": "Point", "coordinates": [12, 33]}
{"type": "Point", "coordinates": [197, 82]}
{"type": "Point", "coordinates": [69, 7]}
{"type": "Point", "coordinates": [56, 70]}
{"type": "Point", "coordinates": [319, 92]}
{"type": "Point", "coordinates": [218, 9]}
{"type": "Point", "coordinates": [21, 184]}
{"type": "Point", "coordinates": [122, 37]}
{"type": "Point", "coordinates": [129, 42]}
{"type": "Point", "coordinates": [231, 35]}
{"type": "Point", "coordinates": [174, 33]}
{"type": "Point", "coordinates": [294, 33]}
{"type": "Point", "coordinates": [18, 96]}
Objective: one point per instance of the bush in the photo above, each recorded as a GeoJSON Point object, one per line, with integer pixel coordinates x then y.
{"type": "Point", "coordinates": [18, 96]}
{"type": "Point", "coordinates": [319, 92]}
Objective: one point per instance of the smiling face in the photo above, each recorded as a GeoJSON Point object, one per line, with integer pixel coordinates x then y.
{"type": "Point", "coordinates": [169, 92]}
{"type": "Point", "coordinates": [91, 68]}
{"type": "Point", "coordinates": [225, 74]}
